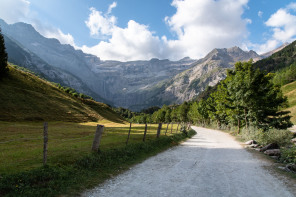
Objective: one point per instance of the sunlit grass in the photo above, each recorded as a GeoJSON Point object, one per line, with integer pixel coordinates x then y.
{"type": "Point", "coordinates": [21, 143]}
{"type": "Point", "coordinates": [289, 90]}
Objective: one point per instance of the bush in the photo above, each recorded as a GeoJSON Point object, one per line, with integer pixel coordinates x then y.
{"type": "Point", "coordinates": [280, 137]}
{"type": "Point", "coordinates": [288, 155]}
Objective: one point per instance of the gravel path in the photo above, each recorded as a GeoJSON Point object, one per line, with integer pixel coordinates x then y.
{"type": "Point", "coordinates": [211, 163]}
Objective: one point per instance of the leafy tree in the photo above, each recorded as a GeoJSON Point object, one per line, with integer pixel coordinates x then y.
{"type": "Point", "coordinates": [193, 114]}
{"type": "Point", "coordinates": [168, 115]}
{"type": "Point", "coordinates": [3, 57]}
{"type": "Point", "coordinates": [254, 98]}
{"type": "Point", "coordinates": [183, 110]}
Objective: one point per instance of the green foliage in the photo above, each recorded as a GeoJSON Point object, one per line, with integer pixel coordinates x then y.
{"type": "Point", "coordinates": [26, 97]}
{"type": "Point", "coordinates": [246, 97]}
{"type": "Point", "coordinates": [150, 110]}
{"type": "Point", "coordinates": [285, 76]}
{"type": "Point", "coordinates": [280, 137]}
{"type": "Point", "coordinates": [288, 155]}
{"type": "Point", "coordinates": [3, 57]}
{"type": "Point", "coordinates": [278, 60]}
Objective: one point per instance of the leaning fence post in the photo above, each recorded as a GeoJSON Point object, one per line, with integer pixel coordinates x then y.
{"type": "Point", "coordinates": [145, 132]}
{"type": "Point", "coordinates": [158, 130]}
{"type": "Point", "coordinates": [129, 132]}
{"type": "Point", "coordinates": [45, 137]}
{"type": "Point", "coordinates": [167, 129]}
{"type": "Point", "coordinates": [97, 138]}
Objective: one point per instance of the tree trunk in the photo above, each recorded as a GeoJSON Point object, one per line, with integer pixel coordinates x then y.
{"type": "Point", "coordinates": [158, 130]}
{"type": "Point", "coordinates": [246, 120]}
{"type": "Point", "coordinates": [238, 124]}
{"type": "Point", "coordinates": [145, 133]}
{"type": "Point", "coordinates": [129, 132]}
{"type": "Point", "coordinates": [167, 128]}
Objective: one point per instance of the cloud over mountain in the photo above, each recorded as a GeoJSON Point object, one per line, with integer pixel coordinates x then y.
{"type": "Point", "coordinates": [200, 25]}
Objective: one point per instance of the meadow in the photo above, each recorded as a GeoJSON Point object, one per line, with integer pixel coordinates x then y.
{"type": "Point", "coordinates": [21, 143]}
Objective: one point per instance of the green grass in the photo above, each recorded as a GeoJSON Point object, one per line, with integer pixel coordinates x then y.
{"type": "Point", "coordinates": [25, 97]}
{"type": "Point", "coordinates": [21, 143]}
{"type": "Point", "coordinates": [72, 167]}
{"type": "Point", "coordinates": [289, 90]}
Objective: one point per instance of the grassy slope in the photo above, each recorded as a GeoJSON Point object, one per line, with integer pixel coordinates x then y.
{"type": "Point", "coordinates": [289, 90]}
{"type": "Point", "coordinates": [25, 97]}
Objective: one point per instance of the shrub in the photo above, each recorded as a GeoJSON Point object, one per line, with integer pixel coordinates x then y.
{"type": "Point", "coordinates": [280, 137]}
{"type": "Point", "coordinates": [288, 155]}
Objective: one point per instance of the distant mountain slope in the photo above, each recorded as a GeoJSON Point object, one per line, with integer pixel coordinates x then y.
{"type": "Point", "coordinates": [24, 58]}
{"type": "Point", "coordinates": [207, 71]}
{"type": "Point", "coordinates": [113, 80]}
{"type": "Point", "coordinates": [279, 59]}
{"type": "Point", "coordinates": [25, 97]}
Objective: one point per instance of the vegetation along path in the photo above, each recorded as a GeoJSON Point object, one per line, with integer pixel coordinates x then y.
{"type": "Point", "coordinates": [211, 163]}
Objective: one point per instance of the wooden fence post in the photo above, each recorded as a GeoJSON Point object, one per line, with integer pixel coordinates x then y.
{"type": "Point", "coordinates": [167, 129]}
{"type": "Point", "coordinates": [97, 138]}
{"type": "Point", "coordinates": [188, 125]}
{"type": "Point", "coordinates": [158, 130]}
{"type": "Point", "coordinates": [45, 137]}
{"type": "Point", "coordinates": [172, 127]}
{"type": "Point", "coordinates": [145, 132]}
{"type": "Point", "coordinates": [178, 127]}
{"type": "Point", "coordinates": [129, 132]}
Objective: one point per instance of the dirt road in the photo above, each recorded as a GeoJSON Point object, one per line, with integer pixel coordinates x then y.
{"type": "Point", "coordinates": [211, 163]}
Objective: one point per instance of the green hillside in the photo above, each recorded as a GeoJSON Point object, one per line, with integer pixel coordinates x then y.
{"type": "Point", "coordinates": [289, 90]}
{"type": "Point", "coordinates": [25, 97]}
{"type": "Point", "coordinates": [278, 60]}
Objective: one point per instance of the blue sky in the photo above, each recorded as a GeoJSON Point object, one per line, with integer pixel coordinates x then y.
{"type": "Point", "coordinates": [143, 29]}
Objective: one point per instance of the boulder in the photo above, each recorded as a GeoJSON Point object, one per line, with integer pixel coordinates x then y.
{"type": "Point", "coordinates": [270, 146]}
{"type": "Point", "coordinates": [291, 167]}
{"type": "Point", "coordinates": [250, 142]}
{"type": "Point", "coordinates": [254, 145]}
{"type": "Point", "coordinates": [275, 157]}
{"type": "Point", "coordinates": [273, 152]}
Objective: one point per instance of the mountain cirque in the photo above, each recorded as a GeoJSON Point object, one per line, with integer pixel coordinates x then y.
{"type": "Point", "coordinates": [134, 85]}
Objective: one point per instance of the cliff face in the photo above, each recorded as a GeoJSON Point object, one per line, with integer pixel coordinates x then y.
{"type": "Point", "coordinates": [207, 71]}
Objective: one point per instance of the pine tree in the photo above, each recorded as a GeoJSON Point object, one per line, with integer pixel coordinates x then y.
{"type": "Point", "coordinates": [3, 57]}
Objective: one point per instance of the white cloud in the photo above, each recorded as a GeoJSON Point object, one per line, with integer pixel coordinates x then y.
{"type": "Point", "coordinates": [260, 14]}
{"type": "Point", "coordinates": [113, 5]}
{"type": "Point", "coordinates": [58, 34]}
{"type": "Point", "coordinates": [200, 26]}
{"type": "Point", "coordinates": [13, 11]}
{"type": "Point", "coordinates": [100, 24]}
{"type": "Point", "coordinates": [283, 27]}
{"type": "Point", "coordinates": [131, 43]}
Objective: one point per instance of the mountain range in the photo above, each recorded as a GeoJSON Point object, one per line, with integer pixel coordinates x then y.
{"type": "Point", "coordinates": [134, 84]}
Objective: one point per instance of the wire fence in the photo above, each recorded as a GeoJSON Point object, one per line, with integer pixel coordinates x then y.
{"type": "Point", "coordinates": [24, 146]}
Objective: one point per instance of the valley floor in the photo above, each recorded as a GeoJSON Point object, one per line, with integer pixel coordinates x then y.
{"type": "Point", "coordinates": [211, 163]}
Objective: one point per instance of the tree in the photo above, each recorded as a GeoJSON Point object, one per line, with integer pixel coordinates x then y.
{"type": "Point", "coordinates": [255, 99]}
{"type": "Point", "coordinates": [3, 57]}
{"type": "Point", "coordinates": [183, 110]}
